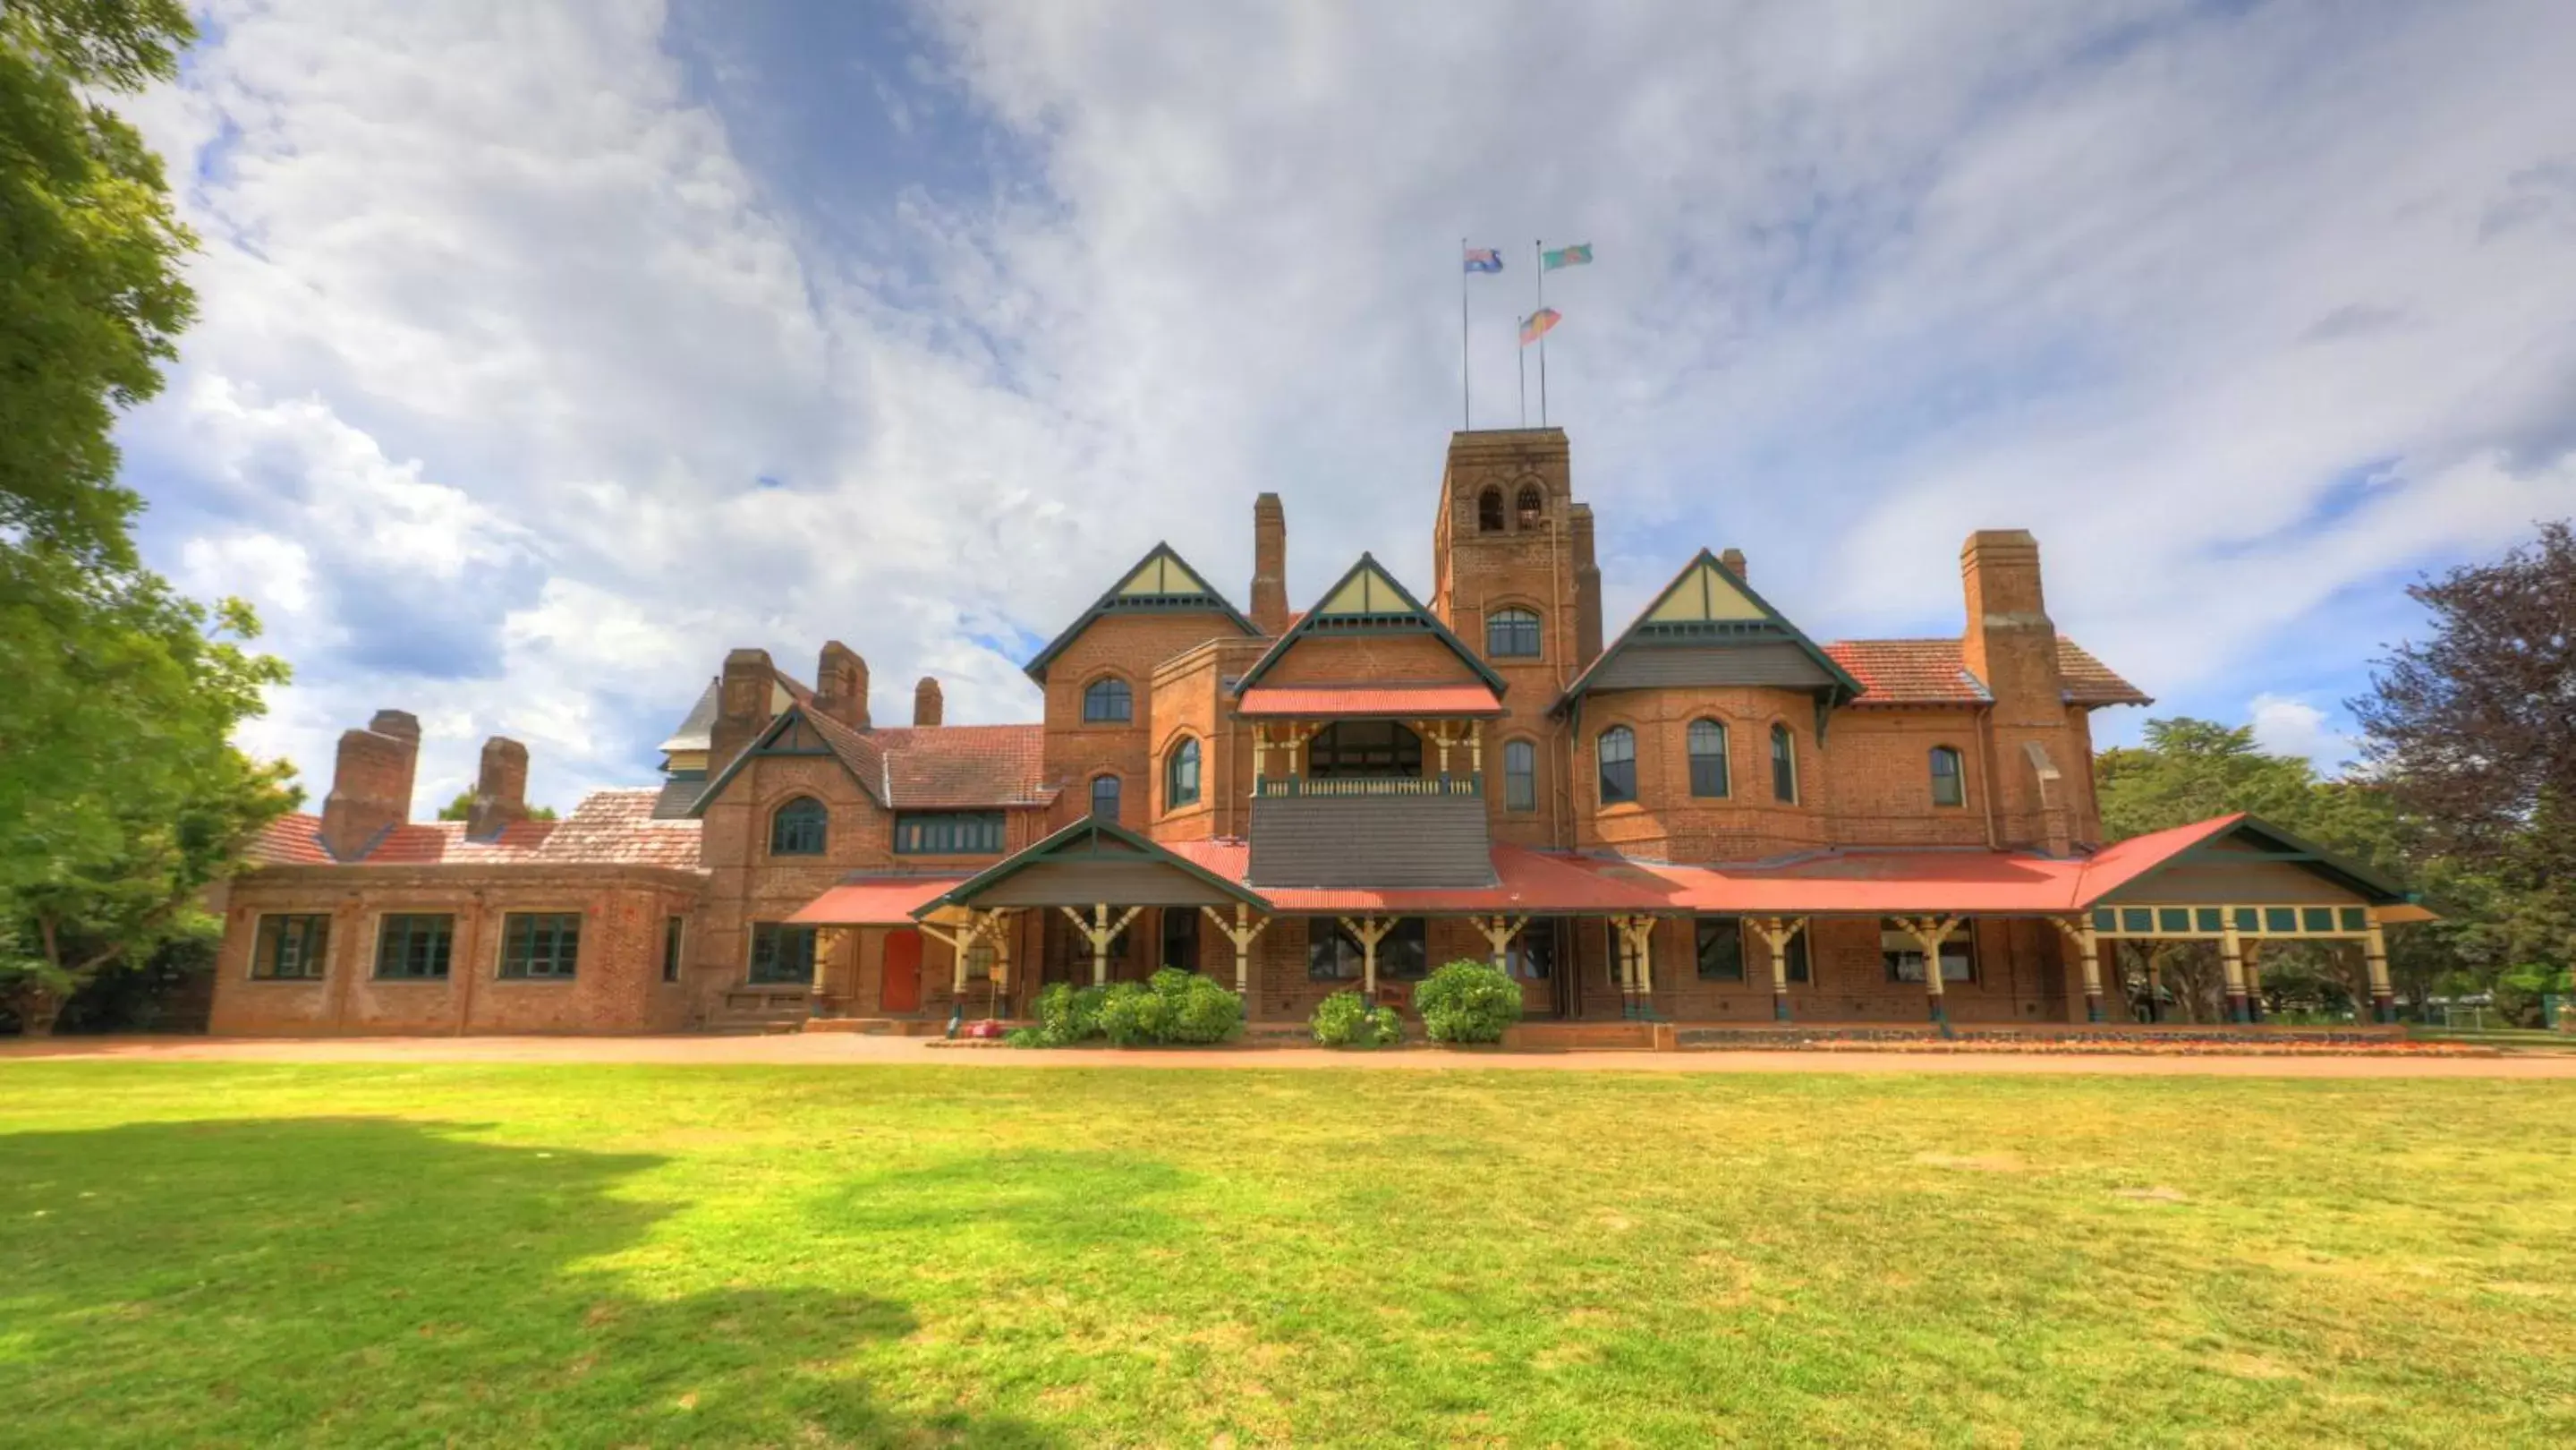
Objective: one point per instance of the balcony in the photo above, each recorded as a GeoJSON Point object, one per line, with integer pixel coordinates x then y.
{"type": "Point", "coordinates": [1280, 787]}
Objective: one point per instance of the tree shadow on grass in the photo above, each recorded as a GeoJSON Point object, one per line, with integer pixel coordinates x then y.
{"type": "Point", "coordinates": [378, 1281]}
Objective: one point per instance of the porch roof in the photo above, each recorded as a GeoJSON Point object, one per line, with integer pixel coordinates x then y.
{"type": "Point", "coordinates": [1402, 701]}
{"type": "Point", "coordinates": [873, 901]}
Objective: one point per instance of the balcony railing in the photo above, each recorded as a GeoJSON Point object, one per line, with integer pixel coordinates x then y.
{"type": "Point", "coordinates": [1277, 786]}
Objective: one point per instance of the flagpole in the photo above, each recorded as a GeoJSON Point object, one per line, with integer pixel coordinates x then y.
{"type": "Point", "coordinates": [1466, 399]}
{"type": "Point", "coordinates": [1538, 260]}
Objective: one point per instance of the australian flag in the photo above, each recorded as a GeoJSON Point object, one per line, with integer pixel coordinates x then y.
{"type": "Point", "coordinates": [1484, 259]}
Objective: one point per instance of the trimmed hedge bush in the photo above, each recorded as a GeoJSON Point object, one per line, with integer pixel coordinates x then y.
{"type": "Point", "coordinates": [1467, 1002]}
{"type": "Point", "coordinates": [1347, 1020]}
{"type": "Point", "coordinates": [1175, 1007]}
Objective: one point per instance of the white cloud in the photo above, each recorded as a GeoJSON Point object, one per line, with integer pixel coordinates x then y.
{"type": "Point", "coordinates": [500, 328]}
{"type": "Point", "coordinates": [2286, 725]}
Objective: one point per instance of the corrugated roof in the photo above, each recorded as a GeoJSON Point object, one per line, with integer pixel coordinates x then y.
{"type": "Point", "coordinates": [1935, 672]}
{"type": "Point", "coordinates": [1317, 702]}
{"type": "Point", "coordinates": [873, 901]}
{"type": "Point", "coordinates": [1524, 881]}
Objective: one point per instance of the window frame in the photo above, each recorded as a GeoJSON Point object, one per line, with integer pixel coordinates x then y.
{"type": "Point", "coordinates": [1329, 758]}
{"type": "Point", "coordinates": [1187, 917]}
{"type": "Point", "coordinates": [675, 936]}
{"type": "Point", "coordinates": [1962, 942]}
{"type": "Point", "coordinates": [313, 963]}
{"type": "Point", "coordinates": [1520, 787]}
{"type": "Point", "coordinates": [444, 950]}
{"type": "Point", "coordinates": [1956, 777]}
{"type": "Point", "coordinates": [914, 833]}
{"type": "Point", "coordinates": [776, 932]}
{"type": "Point", "coordinates": [1515, 632]}
{"type": "Point", "coordinates": [557, 969]}
{"type": "Point", "coordinates": [1603, 764]}
{"type": "Point", "coordinates": [1117, 796]}
{"type": "Point", "coordinates": [1182, 757]}
{"type": "Point", "coordinates": [810, 812]}
{"type": "Point", "coordinates": [1705, 930]}
{"type": "Point", "coordinates": [1346, 949]}
{"type": "Point", "coordinates": [1102, 686]}
{"type": "Point", "coordinates": [1784, 763]}
{"type": "Point", "coordinates": [1724, 756]}
{"type": "Point", "coordinates": [1529, 507]}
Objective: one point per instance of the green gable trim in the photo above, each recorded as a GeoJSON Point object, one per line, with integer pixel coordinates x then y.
{"type": "Point", "coordinates": [1114, 601]}
{"type": "Point", "coordinates": [785, 735]}
{"type": "Point", "coordinates": [2277, 845]}
{"type": "Point", "coordinates": [1403, 614]}
{"type": "Point", "coordinates": [1645, 631]}
{"type": "Point", "coordinates": [1080, 841]}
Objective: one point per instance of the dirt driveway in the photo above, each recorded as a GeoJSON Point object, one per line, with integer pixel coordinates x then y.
{"type": "Point", "coordinates": [829, 1049]}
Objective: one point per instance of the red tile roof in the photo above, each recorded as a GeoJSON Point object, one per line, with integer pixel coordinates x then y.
{"type": "Point", "coordinates": [1933, 672]}
{"type": "Point", "coordinates": [873, 901]}
{"type": "Point", "coordinates": [943, 767]}
{"type": "Point", "coordinates": [1312, 702]}
{"type": "Point", "coordinates": [609, 828]}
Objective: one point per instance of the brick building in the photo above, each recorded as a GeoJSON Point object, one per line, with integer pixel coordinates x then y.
{"type": "Point", "coordinates": [1707, 816]}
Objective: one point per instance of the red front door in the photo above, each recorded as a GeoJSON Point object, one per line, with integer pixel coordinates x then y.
{"type": "Point", "coordinates": [901, 989]}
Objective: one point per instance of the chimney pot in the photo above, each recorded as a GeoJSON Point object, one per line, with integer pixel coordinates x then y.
{"type": "Point", "coordinates": [500, 789]}
{"type": "Point", "coordinates": [1733, 562]}
{"type": "Point", "coordinates": [929, 707]}
{"type": "Point", "coordinates": [371, 783]}
{"type": "Point", "coordinates": [841, 685]}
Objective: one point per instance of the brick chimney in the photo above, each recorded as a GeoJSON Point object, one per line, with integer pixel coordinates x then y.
{"type": "Point", "coordinates": [929, 707]}
{"type": "Point", "coordinates": [742, 704]}
{"type": "Point", "coordinates": [1587, 587]}
{"type": "Point", "coordinates": [1733, 562]}
{"type": "Point", "coordinates": [841, 685]}
{"type": "Point", "coordinates": [371, 783]}
{"type": "Point", "coordinates": [2010, 642]}
{"type": "Point", "coordinates": [500, 789]}
{"type": "Point", "coordinates": [1269, 565]}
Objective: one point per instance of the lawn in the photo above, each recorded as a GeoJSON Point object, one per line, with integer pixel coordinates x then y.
{"type": "Point", "coordinates": [206, 1253]}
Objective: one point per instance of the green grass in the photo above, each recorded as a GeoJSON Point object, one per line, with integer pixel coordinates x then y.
{"type": "Point", "coordinates": [626, 1256]}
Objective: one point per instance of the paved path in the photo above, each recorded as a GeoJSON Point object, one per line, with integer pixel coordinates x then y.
{"type": "Point", "coordinates": [828, 1049]}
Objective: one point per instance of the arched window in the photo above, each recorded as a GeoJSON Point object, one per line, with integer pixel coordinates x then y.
{"type": "Point", "coordinates": [1364, 748]}
{"type": "Point", "coordinates": [1617, 749]}
{"type": "Point", "coordinates": [1707, 740]}
{"type": "Point", "coordinates": [1533, 503]}
{"type": "Point", "coordinates": [1520, 776]}
{"type": "Point", "coordinates": [1107, 699]}
{"type": "Point", "coordinates": [1511, 634]}
{"type": "Point", "coordinates": [1489, 511]}
{"type": "Point", "coordinates": [1104, 797]}
{"type": "Point", "coordinates": [1784, 765]}
{"type": "Point", "coordinates": [798, 828]}
{"type": "Point", "coordinates": [1949, 786]}
{"type": "Point", "coordinates": [1181, 776]}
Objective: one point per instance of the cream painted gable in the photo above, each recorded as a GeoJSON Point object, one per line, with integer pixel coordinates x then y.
{"type": "Point", "coordinates": [1367, 591]}
{"type": "Point", "coordinates": [1707, 593]}
{"type": "Point", "coordinates": [1163, 575]}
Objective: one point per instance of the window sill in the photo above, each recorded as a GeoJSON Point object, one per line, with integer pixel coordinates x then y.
{"type": "Point", "coordinates": [287, 981]}
{"type": "Point", "coordinates": [534, 981]}
{"type": "Point", "coordinates": [409, 981]}
{"type": "Point", "coordinates": [1621, 808]}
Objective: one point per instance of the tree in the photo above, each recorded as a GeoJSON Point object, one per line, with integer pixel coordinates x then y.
{"type": "Point", "coordinates": [90, 293]}
{"type": "Point", "coordinates": [463, 807]}
{"type": "Point", "coordinates": [122, 797]}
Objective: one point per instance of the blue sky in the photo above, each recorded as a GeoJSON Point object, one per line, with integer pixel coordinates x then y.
{"type": "Point", "coordinates": [547, 352]}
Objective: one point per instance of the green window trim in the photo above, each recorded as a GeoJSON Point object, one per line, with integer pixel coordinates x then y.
{"type": "Point", "coordinates": [1108, 700]}
{"type": "Point", "coordinates": [415, 946]}
{"type": "Point", "coordinates": [1949, 777]}
{"type": "Point", "coordinates": [781, 955]}
{"type": "Point", "coordinates": [800, 828]}
{"type": "Point", "coordinates": [1181, 775]}
{"type": "Point", "coordinates": [290, 947]}
{"type": "Point", "coordinates": [1512, 634]}
{"type": "Point", "coordinates": [540, 946]}
{"type": "Point", "coordinates": [949, 833]}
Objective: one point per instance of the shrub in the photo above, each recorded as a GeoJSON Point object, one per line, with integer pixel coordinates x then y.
{"type": "Point", "coordinates": [1068, 1014]}
{"type": "Point", "coordinates": [1200, 1011]}
{"type": "Point", "coordinates": [1347, 1020]}
{"type": "Point", "coordinates": [1467, 1002]}
{"type": "Point", "coordinates": [1132, 1015]}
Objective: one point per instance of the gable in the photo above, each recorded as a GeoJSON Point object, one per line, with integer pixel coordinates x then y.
{"type": "Point", "coordinates": [1161, 582]}
{"type": "Point", "coordinates": [1369, 627]}
{"type": "Point", "coordinates": [1706, 629]}
{"type": "Point", "coordinates": [795, 733]}
{"type": "Point", "coordinates": [1091, 861]}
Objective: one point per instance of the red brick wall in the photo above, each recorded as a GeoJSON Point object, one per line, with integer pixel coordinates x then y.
{"type": "Point", "coordinates": [1666, 821]}
{"type": "Point", "coordinates": [1129, 646]}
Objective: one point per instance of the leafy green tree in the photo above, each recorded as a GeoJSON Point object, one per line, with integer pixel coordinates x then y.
{"type": "Point", "coordinates": [122, 797]}
{"type": "Point", "coordinates": [90, 293]}
{"type": "Point", "coordinates": [463, 806]}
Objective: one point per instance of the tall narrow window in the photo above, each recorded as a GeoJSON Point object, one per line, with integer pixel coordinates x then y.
{"type": "Point", "coordinates": [1533, 504]}
{"type": "Point", "coordinates": [414, 947]}
{"type": "Point", "coordinates": [290, 948]}
{"type": "Point", "coordinates": [1784, 765]}
{"type": "Point", "coordinates": [540, 946]}
{"type": "Point", "coordinates": [799, 828]}
{"type": "Point", "coordinates": [1707, 741]}
{"type": "Point", "coordinates": [673, 927]}
{"type": "Point", "coordinates": [1520, 776]}
{"type": "Point", "coordinates": [1489, 511]}
{"type": "Point", "coordinates": [1181, 776]}
{"type": "Point", "coordinates": [1181, 937]}
{"type": "Point", "coordinates": [1617, 748]}
{"type": "Point", "coordinates": [1107, 700]}
{"type": "Point", "coordinates": [1104, 797]}
{"type": "Point", "coordinates": [1512, 634]}
{"type": "Point", "coordinates": [1949, 787]}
